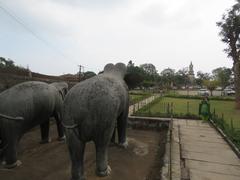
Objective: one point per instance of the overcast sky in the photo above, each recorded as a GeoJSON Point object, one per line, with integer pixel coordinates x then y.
{"type": "Point", "coordinates": [92, 33]}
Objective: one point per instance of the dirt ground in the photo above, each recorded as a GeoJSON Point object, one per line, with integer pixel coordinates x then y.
{"type": "Point", "coordinates": [142, 160]}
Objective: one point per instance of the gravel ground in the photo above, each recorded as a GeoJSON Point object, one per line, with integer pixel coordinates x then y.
{"type": "Point", "coordinates": [142, 160]}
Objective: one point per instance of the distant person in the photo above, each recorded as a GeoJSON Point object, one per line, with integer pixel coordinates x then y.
{"type": "Point", "coordinates": [204, 109]}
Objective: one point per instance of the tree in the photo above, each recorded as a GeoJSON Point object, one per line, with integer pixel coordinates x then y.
{"type": "Point", "coordinates": [201, 76]}
{"type": "Point", "coordinates": [181, 78]}
{"type": "Point", "coordinates": [130, 64]}
{"type": "Point", "coordinates": [150, 69]}
{"type": "Point", "coordinates": [134, 76]}
{"type": "Point", "coordinates": [229, 32]}
{"type": "Point", "coordinates": [88, 74]}
{"type": "Point", "coordinates": [147, 84]}
{"type": "Point", "coordinates": [211, 85]}
{"type": "Point", "coordinates": [6, 62]}
{"type": "Point", "coordinates": [168, 77]}
{"type": "Point", "coordinates": [222, 75]}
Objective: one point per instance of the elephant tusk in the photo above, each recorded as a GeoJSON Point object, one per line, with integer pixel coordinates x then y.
{"type": "Point", "coordinates": [70, 126]}
{"type": "Point", "coordinates": [10, 117]}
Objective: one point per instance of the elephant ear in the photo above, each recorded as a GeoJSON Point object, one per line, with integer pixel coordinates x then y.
{"type": "Point", "coordinates": [109, 68]}
{"type": "Point", "coordinates": [121, 69]}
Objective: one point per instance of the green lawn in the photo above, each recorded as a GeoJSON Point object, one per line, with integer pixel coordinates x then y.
{"type": "Point", "coordinates": [134, 98]}
{"type": "Point", "coordinates": [184, 106]}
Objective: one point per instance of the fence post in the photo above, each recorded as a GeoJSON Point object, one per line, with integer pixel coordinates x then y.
{"type": "Point", "coordinates": [134, 110]}
{"type": "Point", "coordinates": [214, 113]}
{"type": "Point", "coordinates": [138, 106]}
{"type": "Point", "coordinates": [222, 119]}
{"type": "Point", "coordinates": [232, 124]}
{"type": "Point", "coordinates": [164, 107]}
{"type": "Point", "coordinates": [168, 108]}
{"type": "Point", "coordinates": [148, 109]}
{"type": "Point", "coordinates": [171, 107]}
{"type": "Point", "coordinates": [188, 107]}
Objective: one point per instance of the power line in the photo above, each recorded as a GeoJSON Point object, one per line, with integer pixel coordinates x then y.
{"type": "Point", "coordinates": [21, 22]}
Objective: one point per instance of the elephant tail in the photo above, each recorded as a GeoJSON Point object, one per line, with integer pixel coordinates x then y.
{"type": "Point", "coordinates": [11, 118]}
{"type": "Point", "coordinates": [69, 126]}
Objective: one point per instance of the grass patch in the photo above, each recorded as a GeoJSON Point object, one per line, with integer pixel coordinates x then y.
{"type": "Point", "coordinates": [188, 108]}
{"type": "Point", "coordinates": [134, 97]}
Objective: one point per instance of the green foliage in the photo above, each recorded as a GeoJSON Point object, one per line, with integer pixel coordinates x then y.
{"type": "Point", "coordinates": [135, 76]}
{"type": "Point", "coordinates": [9, 65]}
{"type": "Point", "coordinates": [88, 75]}
{"type": "Point", "coordinates": [201, 77]}
{"type": "Point", "coordinates": [230, 31]}
{"type": "Point", "coordinates": [211, 85]}
{"type": "Point", "coordinates": [190, 107]}
{"type": "Point", "coordinates": [222, 75]}
{"type": "Point", "coordinates": [216, 98]}
{"type": "Point", "coordinates": [230, 35]}
{"type": "Point", "coordinates": [181, 78]}
{"type": "Point", "coordinates": [144, 75]}
{"type": "Point", "coordinates": [6, 62]}
{"type": "Point", "coordinates": [137, 96]}
{"type": "Point", "coordinates": [149, 69]}
{"type": "Point", "coordinates": [232, 133]}
{"type": "Point", "coordinates": [167, 77]}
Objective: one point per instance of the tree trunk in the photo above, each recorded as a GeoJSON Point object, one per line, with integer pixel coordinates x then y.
{"type": "Point", "coordinates": [237, 82]}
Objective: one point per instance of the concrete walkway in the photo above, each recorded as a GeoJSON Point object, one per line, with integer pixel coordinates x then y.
{"type": "Point", "coordinates": [200, 153]}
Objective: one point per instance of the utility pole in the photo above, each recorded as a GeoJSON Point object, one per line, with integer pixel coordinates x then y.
{"type": "Point", "coordinates": [81, 71]}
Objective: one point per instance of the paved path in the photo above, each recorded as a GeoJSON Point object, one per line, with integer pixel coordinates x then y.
{"type": "Point", "coordinates": [200, 153]}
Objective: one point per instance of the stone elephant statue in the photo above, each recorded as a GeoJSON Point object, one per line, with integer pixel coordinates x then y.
{"type": "Point", "coordinates": [62, 88]}
{"type": "Point", "coordinates": [24, 106]}
{"type": "Point", "coordinates": [91, 110]}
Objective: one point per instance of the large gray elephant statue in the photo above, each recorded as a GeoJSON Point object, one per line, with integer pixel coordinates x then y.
{"type": "Point", "coordinates": [62, 88]}
{"type": "Point", "coordinates": [24, 106]}
{"type": "Point", "coordinates": [91, 110]}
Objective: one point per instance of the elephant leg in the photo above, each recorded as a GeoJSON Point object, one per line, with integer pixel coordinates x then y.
{"type": "Point", "coordinates": [1, 149]}
{"type": "Point", "coordinates": [76, 149]}
{"type": "Point", "coordinates": [103, 169]}
{"type": "Point", "coordinates": [122, 127]}
{"type": "Point", "coordinates": [61, 136]}
{"type": "Point", "coordinates": [45, 132]}
{"type": "Point", "coordinates": [10, 135]}
{"type": "Point", "coordinates": [113, 136]}
{"type": "Point", "coordinates": [10, 154]}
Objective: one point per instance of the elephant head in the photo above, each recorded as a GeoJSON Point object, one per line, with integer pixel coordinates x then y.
{"type": "Point", "coordinates": [119, 70]}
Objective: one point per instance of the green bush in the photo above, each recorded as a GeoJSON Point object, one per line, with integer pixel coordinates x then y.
{"type": "Point", "coordinates": [220, 98]}
{"type": "Point", "coordinates": [232, 133]}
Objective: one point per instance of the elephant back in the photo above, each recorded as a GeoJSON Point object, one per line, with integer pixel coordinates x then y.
{"type": "Point", "coordinates": [28, 100]}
